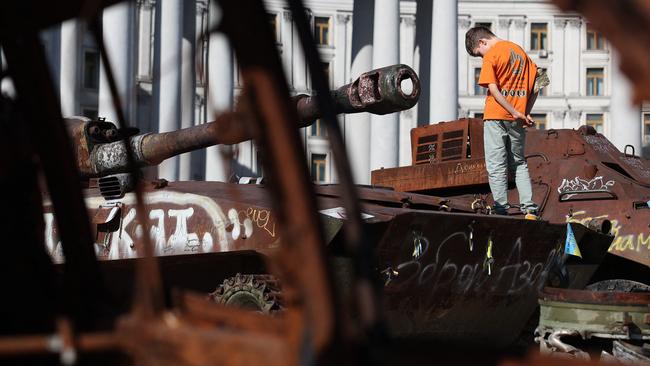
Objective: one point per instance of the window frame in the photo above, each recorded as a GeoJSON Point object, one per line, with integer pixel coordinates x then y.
{"type": "Point", "coordinates": [478, 90]}
{"type": "Point", "coordinates": [84, 52]}
{"type": "Point", "coordinates": [314, 158]}
{"type": "Point", "coordinates": [537, 35]}
{"type": "Point", "coordinates": [601, 121]}
{"type": "Point", "coordinates": [597, 35]}
{"type": "Point", "coordinates": [318, 31]}
{"type": "Point", "coordinates": [593, 91]}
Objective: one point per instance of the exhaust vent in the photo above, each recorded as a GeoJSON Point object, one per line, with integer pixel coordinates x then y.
{"type": "Point", "coordinates": [115, 186]}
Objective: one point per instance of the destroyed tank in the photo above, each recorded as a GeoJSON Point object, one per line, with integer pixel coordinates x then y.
{"type": "Point", "coordinates": [577, 176]}
{"type": "Point", "coordinates": [441, 271]}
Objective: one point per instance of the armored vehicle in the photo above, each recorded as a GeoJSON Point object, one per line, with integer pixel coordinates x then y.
{"type": "Point", "coordinates": [577, 176]}
{"type": "Point", "coordinates": [436, 266]}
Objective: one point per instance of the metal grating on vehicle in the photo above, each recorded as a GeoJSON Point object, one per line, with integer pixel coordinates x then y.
{"type": "Point", "coordinates": [110, 187]}
{"type": "Point", "coordinates": [452, 145]}
{"type": "Point", "coordinates": [427, 149]}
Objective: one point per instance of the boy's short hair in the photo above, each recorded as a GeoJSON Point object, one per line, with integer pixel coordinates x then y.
{"type": "Point", "coordinates": [472, 37]}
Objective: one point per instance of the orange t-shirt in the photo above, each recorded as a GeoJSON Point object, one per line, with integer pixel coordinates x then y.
{"type": "Point", "coordinates": [508, 66]}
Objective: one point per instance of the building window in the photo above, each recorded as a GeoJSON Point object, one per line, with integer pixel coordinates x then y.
{"type": "Point", "coordinates": [540, 120]}
{"type": "Point", "coordinates": [595, 120]}
{"type": "Point", "coordinates": [91, 70]}
{"type": "Point", "coordinates": [318, 129]}
{"type": "Point", "coordinates": [538, 36]}
{"type": "Point", "coordinates": [322, 30]}
{"type": "Point", "coordinates": [595, 81]}
{"type": "Point", "coordinates": [478, 90]}
{"type": "Point", "coordinates": [595, 40]}
{"type": "Point", "coordinates": [487, 25]}
{"type": "Point", "coordinates": [318, 164]}
{"type": "Point", "coordinates": [273, 20]}
{"type": "Point", "coordinates": [646, 128]}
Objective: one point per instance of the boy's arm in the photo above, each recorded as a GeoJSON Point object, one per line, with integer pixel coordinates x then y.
{"type": "Point", "coordinates": [496, 93]}
{"type": "Point", "coordinates": [530, 103]}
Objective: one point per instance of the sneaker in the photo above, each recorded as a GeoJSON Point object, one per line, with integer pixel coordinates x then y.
{"type": "Point", "coordinates": [532, 216]}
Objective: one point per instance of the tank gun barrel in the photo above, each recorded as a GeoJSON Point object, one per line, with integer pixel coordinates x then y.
{"type": "Point", "coordinates": [381, 91]}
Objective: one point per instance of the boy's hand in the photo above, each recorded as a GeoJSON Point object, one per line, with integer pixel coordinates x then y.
{"type": "Point", "coordinates": [530, 122]}
{"type": "Point", "coordinates": [527, 121]}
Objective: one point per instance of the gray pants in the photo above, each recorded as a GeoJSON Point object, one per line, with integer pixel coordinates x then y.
{"type": "Point", "coordinates": [504, 150]}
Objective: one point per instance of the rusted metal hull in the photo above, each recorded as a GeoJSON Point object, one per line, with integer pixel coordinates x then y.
{"type": "Point", "coordinates": [437, 282]}
{"type": "Point", "coordinates": [577, 176]}
{"type": "Point", "coordinates": [449, 293]}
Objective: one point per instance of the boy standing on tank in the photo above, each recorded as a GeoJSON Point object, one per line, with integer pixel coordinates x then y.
{"type": "Point", "coordinates": [513, 82]}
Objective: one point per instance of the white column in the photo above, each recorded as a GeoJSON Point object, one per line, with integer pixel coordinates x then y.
{"type": "Point", "coordinates": [464, 22]}
{"type": "Point", "coordinates": [624, 117]}
{"type": "Point", "coordinates": [299, 65]}
{"type": "Point", "coordinates": [357, 126]}
{"type": "Point", "coordinates": [145, 40]}
{"type": "Point", "coordinates": [516, 33]}
{"type": "Point", "coordinates": [557, 119]}
{"type": "Point", "coordinates": [117, 28]}
{"type": "Point", "coordinates": [220, 96]}
{"type": "Point", "coordinates": [188, 75]}
{"type": "Point", "coordinates": [572, 50]}
{"type": "Point", "coordinates": [171, 33]}
{"type": "Point", "coordinates": [340, 21]}
{"type": "Point", "coordinates": [444, 61]}
{"type": "Point", "coordinates": [503, 27]}
{"type": "Point", "coordinates": [6, 85]}
{"type": "Point", "coordinates": [384, 131]}
{"type": "Point", "coordinates": [557, 45]}
{"type": "Point", "coordinates": [406, 118]}
{"type": "Point", "coordinates": [572, 119]}
{"type": "Point", "coordinates": [340, 32]}
{"type": "Point", "coordinates": [69, 76]}
{"type": "Point", "coordinates": [287, 42]}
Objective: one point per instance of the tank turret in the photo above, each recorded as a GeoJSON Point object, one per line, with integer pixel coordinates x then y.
{"type": "Point", "coordinates": [100, 150]}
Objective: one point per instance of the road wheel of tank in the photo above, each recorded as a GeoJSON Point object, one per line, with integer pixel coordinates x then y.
{"type": "Point", "coordinates": [259, 293]}
{"type": "Point", "coordinates": [619, 285]}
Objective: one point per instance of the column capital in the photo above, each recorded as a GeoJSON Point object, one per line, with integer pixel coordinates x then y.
{"type": "Point", "coordinates": [519, 23]}
{"type": "Point", "coordinates": [342, 17]}
{"type": "Point", "coordinates": [464, 21]}
{"type": "Point", "coordinates": [146, 3]}
{"type": "Point", "coordinates": [558, 115]}
{"type": "Point", "coordinates": [201, 6]}
{"type": "Point", "coordinates": [574, 116]}
{"type": "Point", "coordinates": [559, 22]}
{"type": "Point", "coordinates": [409, 20]}
{"type": "Point", "coordinates": [504, 22]}
{"type": "Point", "coordinates": [286, 15]}
{"type": "Point", "coordinates": [574, 22]}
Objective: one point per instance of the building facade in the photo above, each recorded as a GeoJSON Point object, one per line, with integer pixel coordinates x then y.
{"type": "Point", "coordinates": [170, 76]}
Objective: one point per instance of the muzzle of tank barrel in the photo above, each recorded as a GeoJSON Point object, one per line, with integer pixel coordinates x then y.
{"type": "Point", "coordinates": [386, 90]}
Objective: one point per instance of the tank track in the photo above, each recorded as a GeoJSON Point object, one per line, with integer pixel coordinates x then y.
{"type": "Point", "coordinates": [259, 292]}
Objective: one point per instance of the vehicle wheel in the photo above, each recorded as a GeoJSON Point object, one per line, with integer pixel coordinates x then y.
{"type": "Point", "coordinates": [259, 293]}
